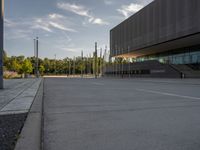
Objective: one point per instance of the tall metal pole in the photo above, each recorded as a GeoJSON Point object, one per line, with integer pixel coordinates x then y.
{"type": "Point", "coordinates": [81, 64]}
{"type": "Point", "coordinates": [87, 66]}
{"type": "Point", "coordinates": [103, 65]}
{"type": "Point", "coordinates": [100, 62]}
{"type": "Point", "coordinates": [69, 67]}
{"type": "Point", "coordinates": [34, 42]}
{"type": "Point", "coordinates": [37, 63]}
{"type": "Point", "coordinates": [93, 64]}
{"type": "Point", "coordinates": [95, 60]}
{"type": "Point", "coordinates": [55, 65]}
{"type": "Point", "coordinates": [105, 61]}
{"type": "Point", "coordinates": [1, 43]}
{"type": "Point", "coordinates": [74, 66]}
{"type": "Point", "coordinates": [90, 64]}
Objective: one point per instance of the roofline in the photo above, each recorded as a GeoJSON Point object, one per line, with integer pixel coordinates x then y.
{"type": "Point", "coordinates": [132, 15]}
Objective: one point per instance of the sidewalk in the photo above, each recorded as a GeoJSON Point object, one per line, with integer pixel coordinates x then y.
{"type": "Point", "coordinates": [15, 102]}
{"type": "Point", "coordinates": [18, 95]}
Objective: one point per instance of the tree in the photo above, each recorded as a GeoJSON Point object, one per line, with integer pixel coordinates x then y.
{"type": "Point", "coordinates": [47, 65]}
{"type": "Point", "coordinates": [15, 66]}
{"type": "Point", "coordinates": [41, 69]}
{"type": "Point", "coordinates": [5, 60]}
{"type": "Point", "coordinates": [20, 59]}
{"type": "Point", "coordinates": [23, 65]}
{"type": "Point", "coordinates": [27, 67]}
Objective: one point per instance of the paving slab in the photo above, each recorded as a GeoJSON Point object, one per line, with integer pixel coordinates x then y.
{"type": "Point", "coordinates": [121, 114]}
{"type": "Point", "coordinates": [18, 95]}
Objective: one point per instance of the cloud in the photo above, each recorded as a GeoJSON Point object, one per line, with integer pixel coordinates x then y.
{"type": "Point", "coordinates": [53, 21]}
{"type": "Point", "coordinates": [127, 10]}
{"type": "Point", "coordinates": [17, 34]}
{"type": "Point", "coordinates": [15, 29]}
{"type": "Point", "coordinates": [66, 44]}
{"type": "Point", "coordinates": [26, 27]}
{"type": "Point", "coordinates": [61, 27]}
{"type": "Point", "coordinates": [108, 2]}
{"type": "Point", "coordinates": [98, 21]}
{"type": "Point", "coordinates": [66, 49]}
{"type": "Point", "coordinates": [42, 27]}
{"type": "Point", "coordinates": [82, 11]}
{"type": "Point", "coordinates": [77, 9]}
{"type": "Point", "coordinates": [9, 23]}
{"type": "Point", "coordinates": [55, 16]}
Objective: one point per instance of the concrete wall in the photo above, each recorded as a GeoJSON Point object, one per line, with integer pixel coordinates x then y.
{"type": "Point", "coordinates": [159, 22]}
{"type": "Point", "coordinates": [142, 69]}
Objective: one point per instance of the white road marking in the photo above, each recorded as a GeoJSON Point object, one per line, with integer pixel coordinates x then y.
{"type": "Point", "coordinates": [169, 94]}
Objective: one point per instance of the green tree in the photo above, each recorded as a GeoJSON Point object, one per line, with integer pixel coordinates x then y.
{"type": "Point", "coordinates": [41, 69]}
{"type": "Point", "coordinates": [27, 67]}
{"type": "Point", "coordinates": [20, 59]}
{"type": "Point", "coordinates": [5, 60]}
{"type": "Point", "coordinates": [15, 66]}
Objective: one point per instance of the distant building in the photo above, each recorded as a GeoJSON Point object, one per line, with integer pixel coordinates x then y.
{"type": "Point", "coordinates": [164, 32]}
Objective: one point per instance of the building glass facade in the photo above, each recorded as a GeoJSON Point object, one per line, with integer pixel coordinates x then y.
{"type": "Point", "coordinates": [188, 56]}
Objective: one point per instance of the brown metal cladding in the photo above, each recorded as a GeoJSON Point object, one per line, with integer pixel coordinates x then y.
{"type": "Point", "coordinates": [158, 22]}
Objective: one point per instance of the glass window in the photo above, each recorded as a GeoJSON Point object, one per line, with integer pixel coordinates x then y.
{"type": "Point", "coordinates": [187, 59]}
{"type": "Point", "coordinates": [184, 58]}
{"type": "Point", "coordinates": [194, 58]}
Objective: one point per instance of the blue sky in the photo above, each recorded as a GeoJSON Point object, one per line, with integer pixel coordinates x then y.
{"type": "Point", "coordinates": [64, 27]}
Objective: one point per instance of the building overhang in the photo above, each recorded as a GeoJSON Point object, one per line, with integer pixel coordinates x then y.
{"type": "Point", "coordinates": [183, 42]}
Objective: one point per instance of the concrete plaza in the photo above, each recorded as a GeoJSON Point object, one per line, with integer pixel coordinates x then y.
{"type": "Point", "coordinates": [121, 114]}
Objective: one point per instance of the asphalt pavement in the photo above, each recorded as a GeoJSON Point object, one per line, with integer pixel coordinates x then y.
{"type": "Point", "coordinates": [121, 114]}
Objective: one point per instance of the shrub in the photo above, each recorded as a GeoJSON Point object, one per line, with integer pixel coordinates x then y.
{"type": "Point", "coordinates": [10, 75]}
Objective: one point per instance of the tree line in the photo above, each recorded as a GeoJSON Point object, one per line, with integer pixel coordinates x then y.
{"type": "Point", "coordinates": [68, 66]}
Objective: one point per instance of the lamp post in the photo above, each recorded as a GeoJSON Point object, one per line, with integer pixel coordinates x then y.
{"type": "Point", "coordinates": [1, 43]}
{"type": "Point", "coordinates": [69, 68]}
{"type": "Point", "coordinates": [95, 57]}
{"type": "Point", "coordinates": [100, 62]}
{"type": "Point", "coordinates": [74, 66]}
{"type": "Point", "coordinates": [36, 57]}
{"type": "Point", "coordinates": [35, 70]}
{"type": "Point", "coordinates": [82, 64]}
{"type": "Point", "coordinates": [55, 65]}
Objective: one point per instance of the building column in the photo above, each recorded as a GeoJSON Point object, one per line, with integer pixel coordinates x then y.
{"type": "Point", "coordinates": [1, 43]}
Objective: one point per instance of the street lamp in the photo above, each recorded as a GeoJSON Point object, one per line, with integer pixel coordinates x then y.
{"type": "Point", "coordinates": [82, 64]}
{"type": "Point", "coordinates": [1, 43]}
{"type": "Point", "coordinates": [95, 60]}
{"type": "Point", "coordinates": [36, 57]}
{"type": "Point", "coordinates": [37, 63]}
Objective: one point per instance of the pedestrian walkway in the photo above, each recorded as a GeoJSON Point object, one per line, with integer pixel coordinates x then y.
{"type": "Point", "coordinates": [18, 95]}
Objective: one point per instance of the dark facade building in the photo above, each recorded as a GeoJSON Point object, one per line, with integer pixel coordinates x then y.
{"type": "Point", "coordinates": [167, 31]}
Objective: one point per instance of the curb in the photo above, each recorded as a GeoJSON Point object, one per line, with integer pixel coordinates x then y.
{"type": "Point", "coordinates": [31, 134]}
